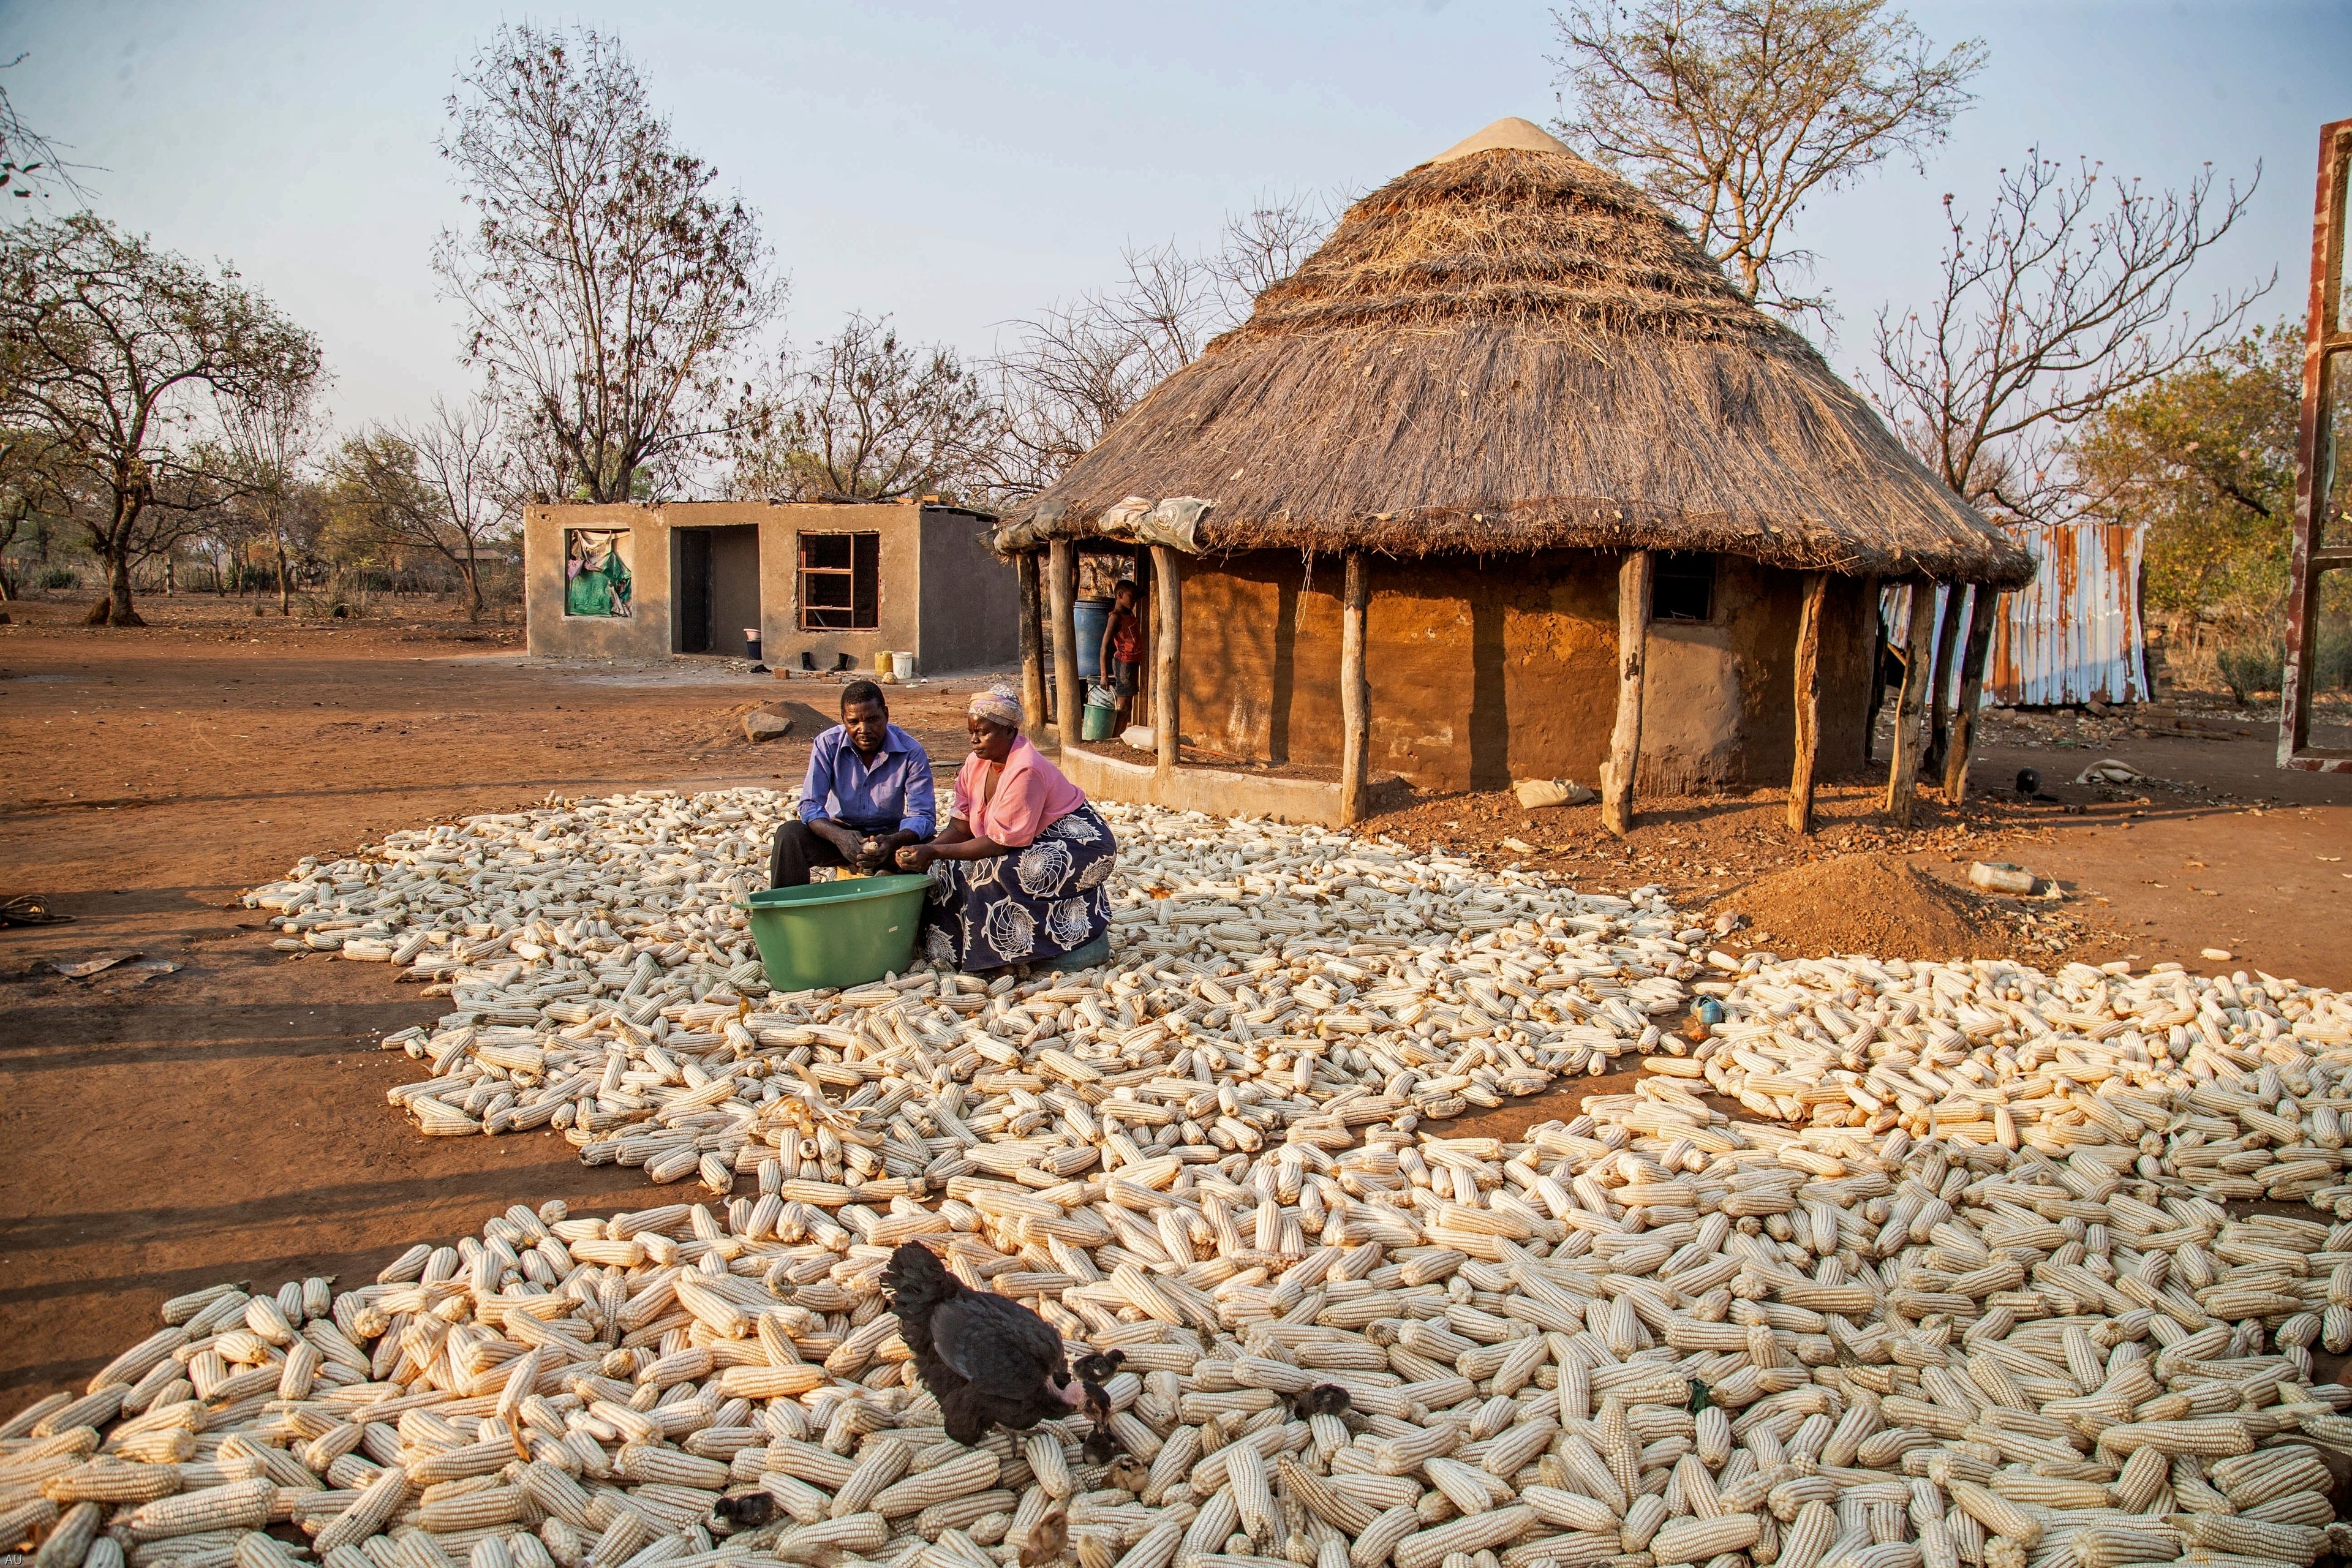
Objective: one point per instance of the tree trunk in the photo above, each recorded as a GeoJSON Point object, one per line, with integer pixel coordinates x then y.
{"type": "Point", "coordinates": [1167, 659]}
{"type": "Point", "coordinates": [285, 598]}
{"type": "Point", "coordinates": [1633, 582]}
{"type": "Point", "coordinates": [1062, 583]}
{"type": "Point", "coordinates": [1808, 705]}
{"type": "Point", "coordinates": [1903, 771]}
{"type": "Point", "coordinates": [473, 583]}
{"type": "Point", "coordinates": [120, 612]}
{"type": "Point", "coordinates": [1984, 613]}
{"type": "Point", "coordinates": [1025, 569]}
{"type": "Point", "coordinates": [1355, 691]}
{"type": "Point", "coordinates": [1939, 703]}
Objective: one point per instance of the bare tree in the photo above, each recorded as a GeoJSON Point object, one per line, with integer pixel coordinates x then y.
{"type": "Point", "coordinates": [1260, 247]}
{"type": "Point", "coordinates": [29, 162]}
{"type": "Point", "coordinates": [440, 485]}
{"type": "Point", "coordinates": [270, 430]}
{"type": "Point", "coordinates": [607, 289]}
{"type": "Point", "coordinates": [1733, 113]}
{"type": "Point", "coordinates": [119, 355]}
{"type": "Point", "coordinates": [1075, 368]}
{"type": "Point", "coordinates": [2059, 301]}
{"type": "Point", "coordinates": [867, 417]}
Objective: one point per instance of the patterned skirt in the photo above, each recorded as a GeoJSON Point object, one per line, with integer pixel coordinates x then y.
{"type": "Point", "coordinates": [1050, 898]}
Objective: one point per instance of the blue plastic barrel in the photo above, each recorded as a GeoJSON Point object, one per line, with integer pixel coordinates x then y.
{"type": "Point", "coordinates": [1092, 615]}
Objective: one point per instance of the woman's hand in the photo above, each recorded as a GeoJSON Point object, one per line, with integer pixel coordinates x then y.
{"type": "Point", "coordinates": [917, 856]}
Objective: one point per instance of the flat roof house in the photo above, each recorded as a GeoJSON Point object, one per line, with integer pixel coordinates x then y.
{"type": "Point", "coordinates": [823, 581]}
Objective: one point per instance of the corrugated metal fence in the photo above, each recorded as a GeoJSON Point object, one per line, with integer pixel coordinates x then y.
{"type": "Point", "coordinates": [2072, 635]}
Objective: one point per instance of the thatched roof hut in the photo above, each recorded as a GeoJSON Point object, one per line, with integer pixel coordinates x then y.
{"type": "Point", "coordinates": [1508, 352]}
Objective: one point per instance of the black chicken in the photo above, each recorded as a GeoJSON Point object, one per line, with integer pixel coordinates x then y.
{"type": "Point", "coordinates": [986, 1358]}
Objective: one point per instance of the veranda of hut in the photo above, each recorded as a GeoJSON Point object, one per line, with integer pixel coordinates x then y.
{"type": "Point", "coordinates": [1494, 669]}
{"type": "Point", "coordinates": [1506, 482]}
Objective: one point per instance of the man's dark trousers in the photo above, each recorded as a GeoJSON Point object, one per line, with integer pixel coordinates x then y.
{"type": "Point", "coordinates": [797, 848]}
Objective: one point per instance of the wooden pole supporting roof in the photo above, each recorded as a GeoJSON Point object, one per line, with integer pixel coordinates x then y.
{"type": "Point", "coordinates": [1808, 705]}
{"type": "Point", "coordinates": [1633, 584]}
{"type": "Point", "coordinates": [1167, 655]}
{"type": "Point", "coordinates": [1939, 694]}
{"type": "Point", "coordinates": [1984, 614]}
{"type": "Point", "coordinates": [1033, 644]}
{"type": "Point", "coordinates": [1903, 771]}
{"type": "Point", "coordinates": [1355, 691]}
{"type": "Point", "coordinates": [1062, 578]}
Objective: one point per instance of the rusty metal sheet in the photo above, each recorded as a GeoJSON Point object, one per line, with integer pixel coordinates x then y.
{"type": "Point", "coordinates": [2326, 355]}
{"type": "Point", "coordinates": [2075, 633]}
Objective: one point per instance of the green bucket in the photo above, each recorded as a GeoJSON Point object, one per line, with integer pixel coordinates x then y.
{"type": "Point", "coordinates": [1098, 721]}
{"type": "Point", "coordinates": [832, 934]}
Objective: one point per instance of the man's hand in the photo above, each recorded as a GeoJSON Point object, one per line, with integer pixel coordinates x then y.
{"type": "Point", "coordinates": [881, 851]}
{"type": "Point", "coordinates": [848, 841]}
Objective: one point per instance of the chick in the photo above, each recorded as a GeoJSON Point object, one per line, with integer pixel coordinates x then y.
{"type": "Point", "coordinates": [1099, 1367]}
{"type": "Point", "coordinates": [1049, 1539]}
{"type": "Point", "coordinates": [1323, 1399]}
{"type": "Point", "coordinates": [746, 1510]}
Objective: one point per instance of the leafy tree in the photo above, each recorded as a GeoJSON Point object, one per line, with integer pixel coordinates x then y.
{"type": "Point", "coordinates": [867, 417]}
{"type": "Point", "coordinates": [2205, 457]}
{"type": "Point", "coordinates": [437, 487]}
{"type": "Point", "coordinates": [607, 289]}
{"type": "Point", "coordinates": [29, 493]}
{"type": "Point", "coordinates": [120, 355]}
{"type": "Point", "coordinates": [1733, 113]}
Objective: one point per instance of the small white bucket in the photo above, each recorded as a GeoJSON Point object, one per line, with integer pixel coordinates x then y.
{"type": "Point", "coordinates": [902, 665]}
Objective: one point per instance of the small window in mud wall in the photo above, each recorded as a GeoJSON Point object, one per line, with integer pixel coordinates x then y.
{"type": "Point", "coordinates": [1682, 586]}
{"type": "Point", "coordinates": [841, 581]}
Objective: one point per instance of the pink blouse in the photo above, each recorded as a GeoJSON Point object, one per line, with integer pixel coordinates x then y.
{"type": "Point", "coordinates": [1031, 796]}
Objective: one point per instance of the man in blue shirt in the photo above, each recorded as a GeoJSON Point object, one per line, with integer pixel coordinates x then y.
{"type": "Point", "coordinates": [867, 793]}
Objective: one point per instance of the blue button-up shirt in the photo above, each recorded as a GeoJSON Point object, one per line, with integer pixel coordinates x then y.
{"type": "Point", "coordinates": [895, 793]}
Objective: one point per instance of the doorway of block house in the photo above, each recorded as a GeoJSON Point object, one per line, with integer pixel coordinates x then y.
{"type": "Point", "coordinates": [718, 589]}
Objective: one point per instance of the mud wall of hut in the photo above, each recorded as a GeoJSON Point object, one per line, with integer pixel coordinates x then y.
{"type": "Point", "coordinates": [1486, 672]}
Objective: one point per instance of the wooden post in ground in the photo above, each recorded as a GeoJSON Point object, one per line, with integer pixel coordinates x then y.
{"type": "Point", "coordinates": [1940, 695]}
{"type": "Point", "coordinates": [1877, 698]}
{"type": "Point", "coordinates": [1167, 653]}
{"type": "Point", "coordinates": [1808, 705]}
{"type": "Point", "coordinates": [1032, 644]}
{"type": "Point", "coordinates": [1355, 693]}
{"type": "Point", "coordinates": [1062, 584]}
{"type": "Point", "coordinates": [1984, 612]}
{"type": "Point", "coordinates": [1903, 771]}
{"type": "Point", "coordinates": [1634, 580]}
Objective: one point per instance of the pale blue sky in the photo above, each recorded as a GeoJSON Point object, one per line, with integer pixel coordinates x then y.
{"type": "Point", "coordinates": [960, 165]}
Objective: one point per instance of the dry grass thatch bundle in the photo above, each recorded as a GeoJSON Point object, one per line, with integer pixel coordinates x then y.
{"type": "Point", "coordinates": [1508, 349]}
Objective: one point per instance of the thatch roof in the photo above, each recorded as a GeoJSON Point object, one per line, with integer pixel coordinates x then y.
{"type": "Point", "coordinates": [1508, 349]}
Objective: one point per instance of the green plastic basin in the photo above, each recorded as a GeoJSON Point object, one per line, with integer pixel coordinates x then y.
{"type": "Point", "coordinates": [832, 934]}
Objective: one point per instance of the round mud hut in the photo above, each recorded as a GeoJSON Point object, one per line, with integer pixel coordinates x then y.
{"type": "Point", "coordinates": [1506, 482]}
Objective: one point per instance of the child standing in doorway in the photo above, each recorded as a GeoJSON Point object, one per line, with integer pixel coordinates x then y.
{"type": "Point", "coordinates": [1122, 653]}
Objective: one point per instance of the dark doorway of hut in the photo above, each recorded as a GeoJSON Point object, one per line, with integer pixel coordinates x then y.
{"type": "Point", "coordinates": [718, 589]}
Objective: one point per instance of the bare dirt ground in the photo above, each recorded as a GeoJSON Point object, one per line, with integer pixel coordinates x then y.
{"type": "Point", "coordinates": [227, 1121]}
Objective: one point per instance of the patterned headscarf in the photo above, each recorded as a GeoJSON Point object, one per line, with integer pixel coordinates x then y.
{"type": "Point", "coordinates": [998, 705]}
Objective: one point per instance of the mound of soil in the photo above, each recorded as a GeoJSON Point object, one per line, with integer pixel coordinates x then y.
{"type": "Point", "coordinates": [1860, 903]}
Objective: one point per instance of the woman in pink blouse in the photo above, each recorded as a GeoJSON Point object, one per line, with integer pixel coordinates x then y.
{"type": "Point", "coordinates": [1020, 873]}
